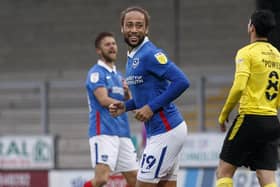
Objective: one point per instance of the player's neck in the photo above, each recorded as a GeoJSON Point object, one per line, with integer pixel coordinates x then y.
{"type": "Point", "coordinates": [255, 38]}
{"type": "Point", "coordinates": [110, 64]}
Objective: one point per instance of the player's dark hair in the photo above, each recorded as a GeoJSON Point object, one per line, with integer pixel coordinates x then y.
{"type": "Point", "coordinates": [100, 37]}
{"type": "Point", "coordinates": [264, 21]}
{"type": "Point", "coordinates": [138, 9]}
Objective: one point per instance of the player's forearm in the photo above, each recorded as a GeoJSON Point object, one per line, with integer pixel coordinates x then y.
{"type": "Point", "coordinates": [179, 83]}
{"type": "Point", "coordinates": [106, 101]}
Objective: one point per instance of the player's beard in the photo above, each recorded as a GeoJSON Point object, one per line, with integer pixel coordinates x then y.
{"type": "Point", "coordinates": [109, 58]}
{"type": "Point", "coordinates": [134, 45]}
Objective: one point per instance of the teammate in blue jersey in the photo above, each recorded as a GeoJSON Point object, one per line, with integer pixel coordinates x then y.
{"type": "Point", "coordinates": [110, 144]}
{"type": "Point", "coordinates": [155, 82]}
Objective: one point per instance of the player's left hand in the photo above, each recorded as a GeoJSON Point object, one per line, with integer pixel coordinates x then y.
{"type": "Point", "coordinates": [143, 114]}
{"type": "Point", "coordinates": [223, 127]}
{"type": "Point", "coordinates": [116, 109]}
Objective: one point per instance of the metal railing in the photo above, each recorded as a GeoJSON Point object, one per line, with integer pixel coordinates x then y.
{"type": "Point", "coordinates": [202, 89]}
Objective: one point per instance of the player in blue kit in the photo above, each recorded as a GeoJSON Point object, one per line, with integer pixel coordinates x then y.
{"type": "Point", "coordinates": [155, 81]}
{"type": "Point", "coordinates": [110, 144]}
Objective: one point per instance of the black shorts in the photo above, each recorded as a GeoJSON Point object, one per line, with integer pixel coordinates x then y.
{"type": "Point", "coordinates": [252, 142]}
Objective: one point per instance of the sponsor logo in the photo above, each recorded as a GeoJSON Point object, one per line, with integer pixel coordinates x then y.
{"type": "Point", "coordinates": [134, 80]}
{"type": "Point", "coordinates": [42, 151]}
{"type": "Point", "coordinates": [145, 171]}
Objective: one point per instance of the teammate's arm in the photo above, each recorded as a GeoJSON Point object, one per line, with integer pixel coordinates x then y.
{"type": "Point", "coordinates": [127, 94]}
{"type": "Point", "coordinates": [101, 94]}
{"type": "Point", "coordinates": [239, 84]}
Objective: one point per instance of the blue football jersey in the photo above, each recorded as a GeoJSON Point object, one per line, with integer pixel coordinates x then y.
{"type": "Point", "coordinates": [148, 74]}
{"type": "Point", "coordinates": [100, 120]}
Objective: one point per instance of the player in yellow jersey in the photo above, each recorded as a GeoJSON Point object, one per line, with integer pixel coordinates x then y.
{"type": "Point", "coordinates": [252, 139]}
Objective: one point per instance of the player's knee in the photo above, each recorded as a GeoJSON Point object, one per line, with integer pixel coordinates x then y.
{"type": "Point", "coordinates": [131, 182]}
{"type": "Point", "coordinates": [131, 178]}
{"type": "Point", "coordinates": [101, 180]}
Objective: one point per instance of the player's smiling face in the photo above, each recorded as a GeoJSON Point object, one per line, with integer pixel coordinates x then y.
{"type": "Point", "coordinates": [134, 28]}
{"type": "Point", "coordinates": [108, 49]}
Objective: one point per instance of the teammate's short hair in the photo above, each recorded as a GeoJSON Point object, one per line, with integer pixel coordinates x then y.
{"type": "Point", "coordinates": [264, 21]}
{"type": "Point", "coordinates": [100, 36]}
{"type": "Point", "coordinates": [137, 9]}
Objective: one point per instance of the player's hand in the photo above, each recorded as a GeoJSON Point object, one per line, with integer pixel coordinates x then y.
{"type": "Point", "coordinates": [125, 86]}
{"type": "Point", "coordinates": [143, 114]}
{"type": "Point", "coordinates": [116, 109]}
{"type": "Point", "coordinates": [223, 127]}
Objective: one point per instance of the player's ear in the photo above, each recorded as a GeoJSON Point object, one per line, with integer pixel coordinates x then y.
{"type": "Point", "coordinates": [253, 28]}
{"type": "Point", "coordinates": [121, 29]}
{"type": "Point", "coordinates": [147, 31]}
{"type": "Point", "coordinates": [98, 51]}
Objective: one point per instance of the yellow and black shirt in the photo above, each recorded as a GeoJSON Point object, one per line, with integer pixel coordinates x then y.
{"type": "Point", "coordinates": [256, 82]}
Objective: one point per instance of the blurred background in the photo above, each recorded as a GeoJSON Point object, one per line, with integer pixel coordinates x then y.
{"type": "Point", "coordinates": [46, 49]}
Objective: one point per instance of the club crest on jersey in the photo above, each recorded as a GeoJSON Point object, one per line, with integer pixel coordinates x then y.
{"type": "Point", "coordinates": [135, 62]}
{"type": "Point", "coordinates": [104, 158]}
{"type": "Point", "coordinates": [161, 58]}
{"type": "Point", "coordinates": [94, 77]}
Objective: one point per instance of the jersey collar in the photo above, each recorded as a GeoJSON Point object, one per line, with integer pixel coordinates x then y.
{"type": "Point", "coordinates": [108, 68]}
{"type": "Point", "coordinates": [134, 50]}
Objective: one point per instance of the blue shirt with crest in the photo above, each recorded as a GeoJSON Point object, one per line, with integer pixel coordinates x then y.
{"type": "Point", "coordinates": [100, 120]}
{"type": "Point", "coordinates": [155, 80]}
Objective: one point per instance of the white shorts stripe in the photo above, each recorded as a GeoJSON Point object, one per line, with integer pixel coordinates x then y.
{"type": "Point", "coordinates": [160, 161]}
{"type": "Point", "coordinates": [116, 152]}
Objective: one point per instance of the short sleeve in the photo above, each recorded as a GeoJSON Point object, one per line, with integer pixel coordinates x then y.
{"type": "Point", "coordinates": [95, 79]}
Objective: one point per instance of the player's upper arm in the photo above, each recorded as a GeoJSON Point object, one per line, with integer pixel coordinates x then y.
{"type": "Point", "coordinates": [240, 82]}
{"type": "Point", "coordinates": [158, 62]}
{"type": "Point", "coordinates": [243, 62]}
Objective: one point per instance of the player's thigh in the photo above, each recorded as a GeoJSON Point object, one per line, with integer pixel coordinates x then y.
{"type": "Point", "coordinates": [102, 172]}
{"type": "Point", "coordinates": [104, 150]}
{"type": "Point", "coordinates": [145, 184]}
{"type": "Point", "coordinates": [130, 177]}
{"type": "Point", "coordinates": [127, 157]}
{"type": "Point", "coordinates": [160, 156]}
{"type": "Point", "coordinates": [167, 184]}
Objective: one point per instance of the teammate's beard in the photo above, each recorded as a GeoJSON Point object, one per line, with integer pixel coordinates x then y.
{"type": "Point", "coordinates": [133, 46]}
{"type": "Point", "coordinates": [107, 58]}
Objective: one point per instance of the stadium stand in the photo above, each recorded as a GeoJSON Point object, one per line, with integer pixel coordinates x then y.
{"type": "Point", "coordinates": [52, 41]}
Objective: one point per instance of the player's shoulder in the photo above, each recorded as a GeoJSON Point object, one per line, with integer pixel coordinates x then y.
{"type": "Point", "coordinates": [152, 52]}
{"type": "Point", "coordinates": [247, 48]}
{"type": "Point", "coordinates": [97, 68]}
{"type": "Point", "coordinates": [96, 71]}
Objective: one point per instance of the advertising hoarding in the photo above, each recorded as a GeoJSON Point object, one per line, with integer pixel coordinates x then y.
{"type": "Point", "coordinates": [26, 152]}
